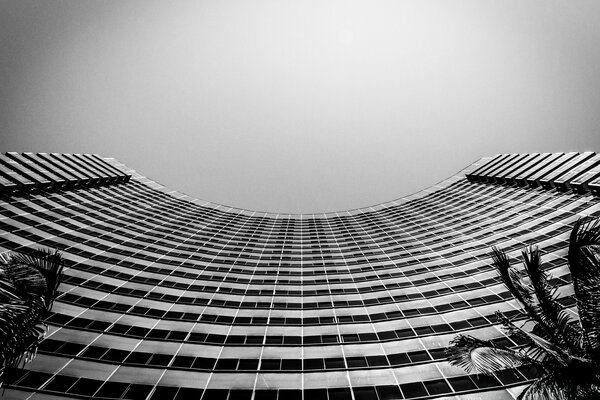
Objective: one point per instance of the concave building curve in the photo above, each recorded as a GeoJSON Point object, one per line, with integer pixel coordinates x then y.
{"type": "Point", "coordinates": [171, 297]}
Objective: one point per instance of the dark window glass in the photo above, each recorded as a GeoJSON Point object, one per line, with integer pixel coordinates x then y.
{"type": "Point", "coordinates": [13, 375]}
{"type": "Point", "coordinates": [138, 331]}
{"type": "Point", "coordinates": [478, 321]}
{"type": "Point", "coordinates": [398, 359]}
{"type": "Point", "coordinates": [291, 364]}
{"type": "Point", "coordinates": [389, 392]}
{"type": "Point", "coordinates": [118, 328]}
{"type": "Point", "coordinates": [254, 339]}
{"type": "Point", "coordinates": [411, 390]}
{"type": "Point", "coordinates": [235, 339]}
{"type": "Point", "coordinates": [138, 392]}
{"type": "Point", "coordinates": [315, 339]}
{"type": "Point", "coordinates": [203, 363]}
{"type": "Point", "coordinates": [438, 386]}
{"type": "Point", "coordinates": [50, 345]}
{"type": "Point", "coordinates": [158, 334]}
{"type": "Point", "coordinates": [461, 383]}
{"type": "Point", "coordinates": [510, 376]}
{"type": "Point", "coordinates": [292, 340]}
{"type": "Point", "coordinates": [265, 395]}
{"type": "Point", "coordinates": [386, 335]}
{"type": "Point", "coordinates": [364, 393]}
{"type": "Point", "coordinates": [71, 348]}
{"type": "Point", "coordinates": [138, 357]}
{"type": "Point", "coordinates": [367, 337]}
{"type": "Point", "coordinates": [85, 387]}
{"type": "Point", "coordinates": [377, 361]}
{"type": "Point", "coordinates": [183, 361]}
{"type": "Point", "coordinates": [164, 392]}
{"type": "Point", "coordinates": [240, 394]}
{"type": "Point", "coordinates": [226, 363]}
{"type": "Point", "coordinates": [313, 363]}
{"type": "Point", "coordinates": [274, 340]}
{"type": "Point", "coordinates": [334, 363]}
{"type": "Point", "coordinates": [270, 364]}
{"type": "Point", "coordinates": [34, 379]}
{"type": "Point", "coordinates": [315, 394]}
{"type": "Point", "coordinates": [197, 337]}
{"type": "Point", "coordinates": [99, 325]}
{"type": "Point", "coordinates": [438, 354]}
{"type": "Point", "coordinates": [423, 330]}
{"type": "Point", "coordinates": [485, 381]}
{"type": "Point", "coordinates": [416, 356]}
{"type": "Point", "coordinates": [209, 394]}
{"type": "Point", "coordinates": [115, 355]}
{"type": "Point", "coordinates": [61, 383]}
{"type": "Point", "coordinates": [291, 394]}
{"type": "Point", "coordinates": [248, 365]}
{"type": "Point", "coordinates": [403, 333]}
{"type": "Point", "coordinates": [177, 335]}
{"type": "Point", "coordinates": [112, 389]}
{"type": "Point", "coordinates": [94, 352]}
{"type": "Point", "coordinates": [160, 359]}
{"type": "Point", "coordinates": [441, 328]}
{"type": "Point", "coordinates": [339, 394]}
{"type": "Point", "coordinates": [356, 362]}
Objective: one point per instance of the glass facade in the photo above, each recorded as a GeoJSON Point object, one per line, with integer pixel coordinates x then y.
{"type": "Point", "coordinates": [171, 297]}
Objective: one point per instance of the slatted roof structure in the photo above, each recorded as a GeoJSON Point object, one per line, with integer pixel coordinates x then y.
{"type": "Point", "coordinates": [22, 173]}
{"type": "Point", "coordinates": [579, 172]}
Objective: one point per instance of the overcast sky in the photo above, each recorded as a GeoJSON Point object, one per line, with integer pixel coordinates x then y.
{"type": "Point", "coordinates": [299, 106]}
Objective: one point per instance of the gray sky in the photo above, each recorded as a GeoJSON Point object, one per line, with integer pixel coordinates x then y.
{"type": "Point", "coordinates": [299, 106]}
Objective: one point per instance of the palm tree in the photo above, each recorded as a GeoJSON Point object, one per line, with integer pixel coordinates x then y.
{"type": "Point", "coordinates": [564, 351]}
{"type": "Point", "coordinates": [28, 284]}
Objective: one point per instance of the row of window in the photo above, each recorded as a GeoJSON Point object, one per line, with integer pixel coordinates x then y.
{"type": "Point", "coordinates": [253, 340]}
{"type": "Point", "coordinates": [223, 289]}
{"type": "Point", "coordinates": [139, 222]}
{"type": "Point", "coordinates": [153, 281]}
{"type": "Point", "coordinates": [275, 303]}
{"type": "Point", "coordinates": [92, 388]}
{"type": "Point", "coordinates": [121, 390]}
{"type": "Point", "coordinates": [31, 172]}
{"type": "Point", "coordinates": [458, 304]}
{"type": "Point", "coordinates": [139, 358]}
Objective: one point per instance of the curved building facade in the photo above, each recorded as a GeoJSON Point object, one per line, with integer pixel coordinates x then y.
{"type": "Point", "coordinates": [170, 297]}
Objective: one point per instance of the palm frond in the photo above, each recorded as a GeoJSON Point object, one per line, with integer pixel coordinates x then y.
{"type": "Point", "coordinates": [553, 321]}
{"type": "Point", "coordinates": [537, 347]}
{"type": "Point", "coordinates": [511, 277]}
{"type": "Point", "coordinates": [8, 291]}
{"type": "Point", "coordinates": [20, 331]}
{"type": "Point", "coordinates": [579, 381]}
{"type": "Point", "coordinates": [482, 356]}
{"type": "Point", "coordinates": [544, 291]}
{"type": "Point", "coordinates": [521, 291]}
{"type": "Point", "coordinates": [560, 355]}
{"type": "Point", "coordinates": [50, 264]}
{"type": "Point", "coordinates": [546, 388]}
{"type": "Point", "coordinates": [584, 263]}
{"type": "Point", "coordinates": [28, 285]}
{"type": "Point", "coordinates": [571, 332]}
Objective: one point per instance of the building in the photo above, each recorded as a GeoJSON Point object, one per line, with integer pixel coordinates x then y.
{"type": "Point", "coordinates": [171, 297]}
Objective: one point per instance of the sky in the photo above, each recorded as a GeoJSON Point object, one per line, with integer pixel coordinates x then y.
{"type": "Point", "coordinates": [299, 106]}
